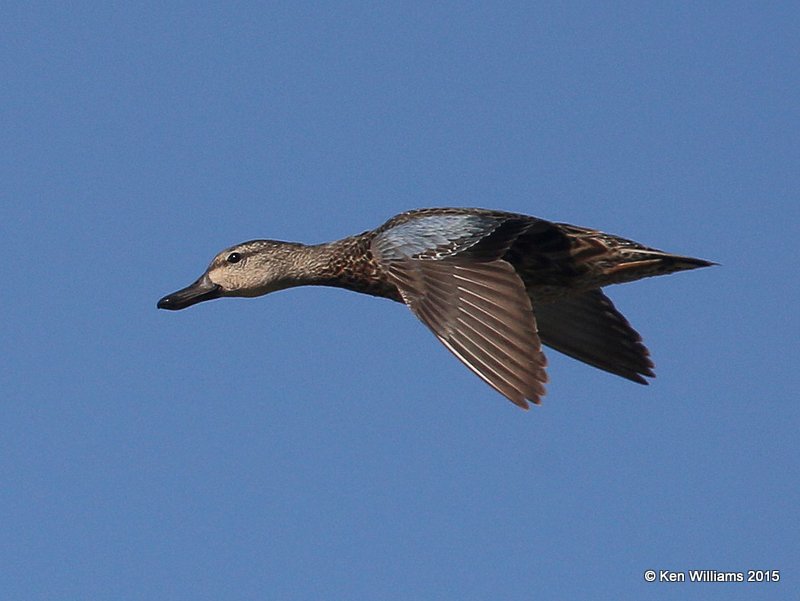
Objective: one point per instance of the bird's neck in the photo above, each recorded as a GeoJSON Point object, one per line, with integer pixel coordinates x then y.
{"type": "Point", "coordinates": [346, 263]}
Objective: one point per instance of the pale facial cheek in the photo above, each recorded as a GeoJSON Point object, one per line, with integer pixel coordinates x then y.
{"type": "Point", "coordinates": [236, 282]}
{"type": "Point", "coordinates": [214, 276]}
{"type": "Point", "coordinates": [231, 281]}
{"type": "Point", "coordinates": [227, 280]}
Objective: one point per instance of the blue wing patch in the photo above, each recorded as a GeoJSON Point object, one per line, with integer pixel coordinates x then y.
{"type": "Point", "coordinates": [434, 236]}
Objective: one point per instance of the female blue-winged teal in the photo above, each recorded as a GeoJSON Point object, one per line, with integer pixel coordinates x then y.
{"type": "Point", "coordinates": [492, 286]}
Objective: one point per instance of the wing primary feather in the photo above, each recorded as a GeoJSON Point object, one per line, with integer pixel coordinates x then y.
{"type": "Point", "coordinates": [502, 344]}
{"type": "Point", "coordinates": [512, 391]}
{"type": "Point", "coordinates": [589, 328]}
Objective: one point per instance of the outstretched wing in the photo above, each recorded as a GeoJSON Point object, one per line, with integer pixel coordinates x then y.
{"type": "Point", "coordinates": [449, 272]}
{"type": "Point", "coordinates": [589, 328]}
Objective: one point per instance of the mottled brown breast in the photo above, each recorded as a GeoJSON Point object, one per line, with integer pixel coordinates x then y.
{"type": "Point", "coordinates": [353, 267]}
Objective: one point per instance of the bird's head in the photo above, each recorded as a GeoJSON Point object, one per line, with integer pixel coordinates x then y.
{"type": "Point", "coordinates": [249, 269]}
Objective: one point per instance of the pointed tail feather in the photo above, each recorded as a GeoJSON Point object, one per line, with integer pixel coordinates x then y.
{"type": "Point", "coordinates": [637, 264]}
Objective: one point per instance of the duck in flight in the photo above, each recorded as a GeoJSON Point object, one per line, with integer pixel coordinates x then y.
{"type": "Point", "coordinates": [492, 286]}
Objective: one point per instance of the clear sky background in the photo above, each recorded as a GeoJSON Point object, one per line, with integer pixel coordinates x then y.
{"type": "Point", "coordinates": [319, 444]}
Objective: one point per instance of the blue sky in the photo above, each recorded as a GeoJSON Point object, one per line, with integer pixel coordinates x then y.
{"type": "Point", "coordinates": [318, 444]}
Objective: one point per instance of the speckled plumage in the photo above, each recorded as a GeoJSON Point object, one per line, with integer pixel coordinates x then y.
{"type": "Point", "coordinates": [491, 285]}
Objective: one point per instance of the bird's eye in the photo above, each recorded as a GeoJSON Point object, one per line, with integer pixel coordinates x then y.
{"type": "Point", "coordinates": [234, 258]}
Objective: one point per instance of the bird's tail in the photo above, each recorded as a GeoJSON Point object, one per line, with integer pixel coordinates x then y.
{"type": "Point", "coordinates": [636, 263]}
